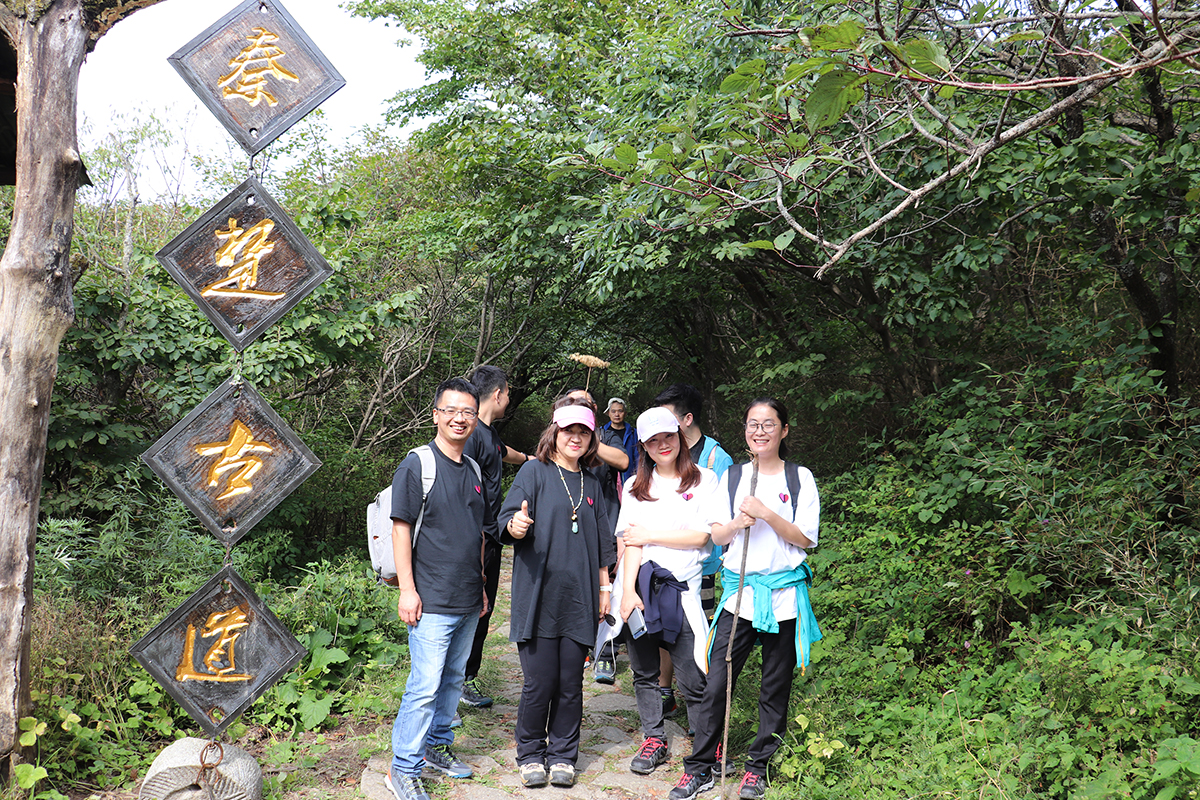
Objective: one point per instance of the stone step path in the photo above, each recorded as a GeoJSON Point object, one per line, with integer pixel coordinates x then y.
{"type": "Point", "coordinates": [610, 736]}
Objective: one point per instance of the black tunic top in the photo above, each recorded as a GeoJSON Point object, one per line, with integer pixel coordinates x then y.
{"type": "Point", "coordinates": [556, 573]}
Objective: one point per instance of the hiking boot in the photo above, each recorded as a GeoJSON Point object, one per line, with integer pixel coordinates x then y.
{"type": "Point", "coordinates": [691, 785]}
{"type": "Point", "coordinates": [533, 774]}
{"type": "Point", "coordinates": [406, 787]}
{"type": "Point", "coordinates": [723, 770]}
{"type": "Point", "coordinates": [652, 753]}
{"type": "Point", "coordinates": [562, 775]}
{"type": "Point", "coordinates": [472, 696]}
{"type": "Point", "coordinates": [668, 700]}
{"type": "Point", "coordinates": [442, 758]}
{"type": "Point", "coordinates": [754, 787]}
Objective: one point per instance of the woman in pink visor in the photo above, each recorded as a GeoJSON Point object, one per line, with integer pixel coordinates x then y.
{"type": "Point", "coordinates": [562, 549]}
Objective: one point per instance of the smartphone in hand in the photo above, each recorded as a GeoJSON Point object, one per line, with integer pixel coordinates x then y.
{"type": "Point", "coordinates": [637, 623]}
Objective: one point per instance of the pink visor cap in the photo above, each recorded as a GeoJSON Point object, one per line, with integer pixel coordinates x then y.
{"type": "Point", "coordinates": [567, 416]}
{"type": "Point", "coordinates": [654, 421]}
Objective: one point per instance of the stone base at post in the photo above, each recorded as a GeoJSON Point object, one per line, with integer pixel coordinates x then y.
{"type": "Point", "coordinates": [174, 773]}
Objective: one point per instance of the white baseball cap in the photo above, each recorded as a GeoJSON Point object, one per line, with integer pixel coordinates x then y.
{"type": "Point", "coordinates": [655, 421]}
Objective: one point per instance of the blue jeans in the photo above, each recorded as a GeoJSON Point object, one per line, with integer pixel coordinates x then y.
{"type": "Point", "coordinates": [438, 646]}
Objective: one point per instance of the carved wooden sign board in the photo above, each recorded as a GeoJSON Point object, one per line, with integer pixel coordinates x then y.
{"type": "Point", "coordinates": [219, 651]}
{"type": "Point", "coordinates": [244, 263]}
{"type": "Point", "coordinates": [231, 460]}
{"type": "Point", "coordinates": [257, 71]}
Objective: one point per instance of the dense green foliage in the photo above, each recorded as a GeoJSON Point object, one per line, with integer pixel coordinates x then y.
{"type": "Point", "coordinates": [995, 388]}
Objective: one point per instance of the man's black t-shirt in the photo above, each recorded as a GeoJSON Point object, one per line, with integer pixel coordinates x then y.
{"type": "Point", "coordinates": [488, 451]}
{"type": "Point", "coordinates": [447, 569]}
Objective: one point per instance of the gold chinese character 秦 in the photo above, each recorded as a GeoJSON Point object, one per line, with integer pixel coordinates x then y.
{"type": "Point", "coordinates": [219, 660]}
{"type": "Point", "coordinates": [240, 254]}
{"type": "Point", "coordinates": [252, 66]}
{"type": "Point", "coordinates": [235, 454]}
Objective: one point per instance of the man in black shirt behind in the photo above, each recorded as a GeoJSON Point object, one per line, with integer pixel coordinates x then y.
{"type": "Point", "coordinates": [490, 452]}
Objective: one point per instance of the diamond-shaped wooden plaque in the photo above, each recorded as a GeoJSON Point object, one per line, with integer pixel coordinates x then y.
{"type": "Point", "coordinates": [244, 263]}
{"type": "Point", "coordinates": [257, 71]}
{"type": "Point", "coordinates": [231, 460]}
{"type": "Point", "coordinates": [219, 651]}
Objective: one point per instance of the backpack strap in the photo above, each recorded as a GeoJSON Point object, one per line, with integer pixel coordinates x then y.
{"type": "Point", "coordinates": [712, 456]}
{"type": "Point", "coordinates": [735, 475]}
{"type": "Point", "coordinates": [428, 476]}
{"type": "Point", "coordinates": [792, 472]}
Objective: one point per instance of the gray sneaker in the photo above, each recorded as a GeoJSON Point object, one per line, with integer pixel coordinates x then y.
{"type": "Point", "coordinates": [406, 787]}
{"type": "Point", "coordinates": [442, 758]}
{"type": "Point", "coordinates": [562, 775]}
{"type": "Point", "coordinates": [533, 774]}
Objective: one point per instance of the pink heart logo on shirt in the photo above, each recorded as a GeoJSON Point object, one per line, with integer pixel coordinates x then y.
{"type": "Point", "coordinates": [783, 497]}
{"type": "Point", "coordinates": [478, 490]}
{"type": "Point", "coordinates": [589, 501]}
{"type": "Point", "coordinates": [688, 496]}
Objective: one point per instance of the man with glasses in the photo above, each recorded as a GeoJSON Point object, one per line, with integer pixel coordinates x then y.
{"type": "Point", "coordinates": [441, 589]}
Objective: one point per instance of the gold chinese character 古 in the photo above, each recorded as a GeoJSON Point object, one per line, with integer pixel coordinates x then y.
{"type": "Point", "coordinates": [252, 66]}
{"type": "Point", "coordinates": [219, 660]}
{"type": "Point", "coordinates": [234, 454]}
{"type": "Point", "coordinates": [240, 253]}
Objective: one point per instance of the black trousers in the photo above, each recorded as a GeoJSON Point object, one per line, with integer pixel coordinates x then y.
{"type": "Point", "coordinates": [491, 582]}
{"type": "Point", "coordinates": [778, 667]}
{"type": "Point", "coordinates": [551, 708]}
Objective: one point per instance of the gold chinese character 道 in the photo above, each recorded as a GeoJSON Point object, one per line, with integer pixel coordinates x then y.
{"type": "Point", "coordinates": [218, 663]}
{"type": "Point", "coordinates": [252, 66]}
{"type": "Point", "coordinates": [240, 254]}
{"type": "Point", "coordinates": [234, 454]}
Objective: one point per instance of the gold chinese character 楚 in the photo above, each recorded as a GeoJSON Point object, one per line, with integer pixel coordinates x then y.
{"type": "Point", "coordinates": [251, 67]}
{"type": "Point", "coordinates": [218, 660]}
{"type": "Point", "coordinates": [235, 454]}
{"type": "Point", "coordinates": [240, 254]}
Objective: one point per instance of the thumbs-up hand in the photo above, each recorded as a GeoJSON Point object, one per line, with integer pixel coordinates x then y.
{"type": "Point", "coordinates": [520, 523]}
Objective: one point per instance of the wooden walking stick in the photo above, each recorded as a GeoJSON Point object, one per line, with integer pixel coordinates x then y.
{"type": "Point", "coordinates": [737, 609]}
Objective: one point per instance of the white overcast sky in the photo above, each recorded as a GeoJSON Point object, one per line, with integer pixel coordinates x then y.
{"type": "Point", "coordinates": [127, 75]}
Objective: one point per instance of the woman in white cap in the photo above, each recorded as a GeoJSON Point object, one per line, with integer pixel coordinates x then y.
{"type": "Point", "coordinates": [562, 549]}
{"type": "Point", "coordinates": [665, 530]}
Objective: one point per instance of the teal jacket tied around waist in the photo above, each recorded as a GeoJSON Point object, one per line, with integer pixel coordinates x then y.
{"type": "Point", "coordinates": [807, 629]}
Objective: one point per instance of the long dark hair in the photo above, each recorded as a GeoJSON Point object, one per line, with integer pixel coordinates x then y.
{"type": "Point", "coordinates": [779, 408]}
{"type": "Point", "coordinates": [547, 445]}
{"type": "Point", "coordinates": [685, 468]}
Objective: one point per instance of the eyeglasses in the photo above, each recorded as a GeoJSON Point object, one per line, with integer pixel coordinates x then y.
{"type": "Point", "coordinates": [465, 413]}
{"type": "Point", "coordinates": [754, 426]}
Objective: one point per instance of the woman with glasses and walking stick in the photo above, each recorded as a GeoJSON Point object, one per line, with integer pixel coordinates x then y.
{"type": "Point", "coordinates": [768, 516]}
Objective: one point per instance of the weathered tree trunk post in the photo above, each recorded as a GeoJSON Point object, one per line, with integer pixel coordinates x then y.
{"type": "Point", "coordinates": [35, 311]}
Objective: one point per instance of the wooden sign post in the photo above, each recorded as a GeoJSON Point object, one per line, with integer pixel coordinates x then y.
{"type": "Point", "coordinates": [233, 459]}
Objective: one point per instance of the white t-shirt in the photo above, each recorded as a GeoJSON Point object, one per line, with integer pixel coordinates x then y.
{"type": "Point", "coordinates": [768, 552]}
{"type": "Point", "coordinates": [672, 511]}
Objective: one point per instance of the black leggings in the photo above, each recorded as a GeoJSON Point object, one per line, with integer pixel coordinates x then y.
{"type": "Point", "coordinates": [778, 667]}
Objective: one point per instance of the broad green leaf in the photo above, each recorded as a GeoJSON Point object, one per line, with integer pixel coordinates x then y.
{"type": "Point", "coordinates": [626, 154]}
{"type": "Point", "coordinates": [926, 57]}
{"type": "Point", "coordinates": [843, 36]}
{"type": "Point", "coordinates": [27, 775]}
{"type": "Point", "coordinates": [761, 244]}
{"type": "Point", "coordinates": [784, 239]}
{"type": "Point", "coordinates": [738, 83]}
{"type": "Point", "coordinates": [832, 95]}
